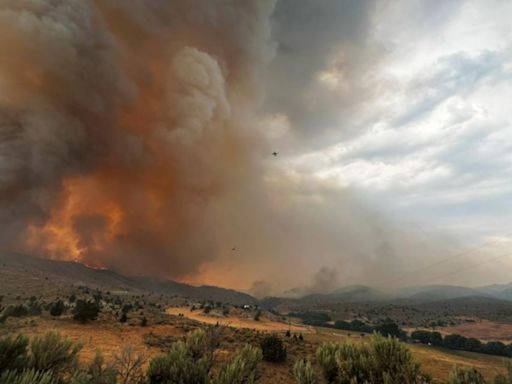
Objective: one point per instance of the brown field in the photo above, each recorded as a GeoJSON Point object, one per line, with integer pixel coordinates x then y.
{"type": "Point", "coordinates": [110, 337]}
{"type": "Point", "coordinates": [484, 330]}
{"type": "Point", "coordinates": [107, 338]}
{"type": "Point", "coordinates": [237, 321]}
{"type": "Point", "coordinates": [434, 361]}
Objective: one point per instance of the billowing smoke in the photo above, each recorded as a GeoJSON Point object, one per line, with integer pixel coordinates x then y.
{"type": "Point", "coordinates": [121, 122]}
{"type": "Point", "coordinates": [131, 137]}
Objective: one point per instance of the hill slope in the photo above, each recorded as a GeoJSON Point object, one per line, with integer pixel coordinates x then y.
{"type": "Point", "coordinates": [31, 274]}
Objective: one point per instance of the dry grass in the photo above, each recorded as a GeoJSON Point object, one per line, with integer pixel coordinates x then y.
{"type": "Point", "coordinates": [94, 336]}
{"type": "Point", "coordinates": [484, 330]}
{"type": "Point", "coordinates": [110, 337]}
{"type": "Point", "coordinates": [237, 321]}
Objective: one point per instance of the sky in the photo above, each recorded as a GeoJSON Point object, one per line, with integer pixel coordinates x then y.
{"type": "Point", "coordinates": [407, 105]}
{"type": "Point", "coordinates": [277, 146]}
{"type": "Point", "coordinates": [428, 138]}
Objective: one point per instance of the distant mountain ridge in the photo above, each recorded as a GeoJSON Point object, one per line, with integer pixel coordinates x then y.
{"type": "Point", "coordinates": [414, 294]}
{"type": "Point", "coordinates": [79, 274]}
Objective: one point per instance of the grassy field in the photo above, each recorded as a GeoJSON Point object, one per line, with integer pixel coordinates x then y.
{"type": "Point", "coordinates": [109, 336]}
{"type": "Point", "coordinates": [484, 330]}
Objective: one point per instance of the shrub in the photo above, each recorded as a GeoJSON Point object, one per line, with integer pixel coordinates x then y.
{"type": "Point", "coordinates": [57, 308]}
{"type": "Point", "coordinates": [123, 318]}
{"type": "Point", "coordinates": [26, 377]}
{"type": "Point", "coordinates": [241, 368]}
{"type": "Point", "coordinates": [178, 366]}
{"type": "Point", "coordinates": [13, 353]}
{"type": "Point", "coordinates": [465, 376]}
{"type": "Point", "coordinates": [384, 360]}
{"type": "Point", "coordinates": [128, 365]}
{"type": "Point", "coordinates": [15, 311]}
{"type": "Point", "coordinates": [303, 372]}
{"type": "Point", "coordinates": [52, 352]}
{"type": "Point", "coordinates": [273, 349]}
{"type": "Point", "coordinates": [34, 308]}
{"type": "Point", "coordinates": [98, 372]}
{"type": "Point", "coordinates": [85, 311]}
{"type": "Point", "coordinates": [144, 322]}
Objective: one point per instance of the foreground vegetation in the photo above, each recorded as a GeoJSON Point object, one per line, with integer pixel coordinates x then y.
{"type": "Point", "coordinates": [53, 359]}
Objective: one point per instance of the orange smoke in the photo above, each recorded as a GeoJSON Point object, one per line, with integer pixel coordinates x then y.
{"type": "Point", "coordinates": [124, 124]}
{"type": "Point", "coordinates": [59, 237]}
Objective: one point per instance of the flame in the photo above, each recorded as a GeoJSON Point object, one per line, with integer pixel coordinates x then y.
{"type": "Point", "coordinates": [59, 236]}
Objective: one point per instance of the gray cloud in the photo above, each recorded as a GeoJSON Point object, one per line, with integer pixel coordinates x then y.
{"type": "Point", "coordinates": [131, 136]}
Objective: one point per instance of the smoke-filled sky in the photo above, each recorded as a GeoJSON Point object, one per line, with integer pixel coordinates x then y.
{"type": "Point", "coordinates": [139, 136]}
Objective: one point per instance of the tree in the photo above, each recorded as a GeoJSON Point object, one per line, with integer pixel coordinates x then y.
{"type": "Point", "coordinates": [273, 349]}
{"type": "Point", "coordinates": [57, 308]}
{"type": "Point", "coordinates": [85, 311]}
{"type": "Point", "coordinates": [454, 341]}
{"type": "Point", "coordinates": [436, 339]}
{"type": "Point", "coordinates": [473, 344]}
{"type": "Point", "coordinates": [388, 328]}
{"type": "Point", "coordinates": [422, 336]}
{"type": "Point", "coordinates": [494, 348]}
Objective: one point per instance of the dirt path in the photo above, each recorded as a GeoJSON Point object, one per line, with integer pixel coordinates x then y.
{"type": "Point", "coordinates": [238, 322]}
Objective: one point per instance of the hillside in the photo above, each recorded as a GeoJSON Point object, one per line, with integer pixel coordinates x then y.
{"type": "Point", "coordinates": [34, 276]}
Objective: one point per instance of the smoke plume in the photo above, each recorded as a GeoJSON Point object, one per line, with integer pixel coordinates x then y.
{"type": "Point", "coordinates": [131, 138]}
{"type": "Point", "coordinates": [121, 122]}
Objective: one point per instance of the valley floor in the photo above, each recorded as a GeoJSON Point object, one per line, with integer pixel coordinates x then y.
{"type": "Point", "coordinates": [109, 337]}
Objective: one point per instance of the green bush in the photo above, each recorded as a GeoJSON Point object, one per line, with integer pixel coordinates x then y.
{"type": "Point", "coordinates": [13, 353]}
{"type": "Point", "coordinates": [15, 311]}
{"type": "Point", "coordinates": [187, 361]}
{"type": "Point", "coordinates": [303, 372]}
{"type": "Point", "coordinates": [465, 376]}
{"type": "Point", "coordinates": [85, 311]}
{"type": "Point", "coordinates": [57, 308]}
{"type": "Point", "coordinates": [273, 349]}
{"type": "Point", "coordinates": [98, 372]}
{"type": "Point", "coordinates": [26, 377]}
{"type": "Point", "coordinates": [241, 368]}
{"type": "Point", "coordinates": [178, 366]}
{"type": "Point", "coordinates": [383, 361]}
{"type": "Point", "coordinates": [54, 353]}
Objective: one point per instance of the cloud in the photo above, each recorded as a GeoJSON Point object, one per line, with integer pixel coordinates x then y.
{"type": "Point", "coordinates": [138, 136]}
